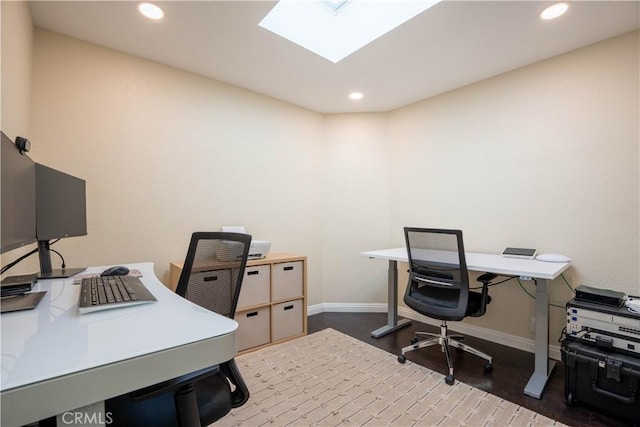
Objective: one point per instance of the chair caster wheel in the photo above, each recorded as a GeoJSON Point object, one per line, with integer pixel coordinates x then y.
{"type": "Point", "coordinates": [402, 359]}
{"type": "Point", "coordinates": [449, 379]}
{"type": "Point", "coordinates": [413, 340]}
{"type": "Point", "coordinates": [488, 367]}
{"type": "Point", "coordinates": [570, 400]}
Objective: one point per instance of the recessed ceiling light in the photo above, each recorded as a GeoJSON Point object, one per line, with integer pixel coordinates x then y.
{"type": "Point", "coordinates": [150, 10]}
{"type": "Point", "coordinates": [554, 11]}
{"type": "Point", "coordinates": [356, 95]}
{"type": "Point", "coordinates": [334, 29]}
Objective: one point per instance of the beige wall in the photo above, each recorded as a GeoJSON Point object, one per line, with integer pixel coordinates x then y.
{"type": "Point", "coordinates": [356, 215]}
{"type": "Point", "coordinates": [545, 156]}
{"type": "Point", "coordinates": [166, 153]}
{"type": "Point", "coordinates": [15, 87]}
{"type": "Point", "coordinates": [16, 35]}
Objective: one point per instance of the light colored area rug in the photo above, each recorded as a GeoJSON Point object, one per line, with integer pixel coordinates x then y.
{"type": "Point", "coordinates": [331, 379]}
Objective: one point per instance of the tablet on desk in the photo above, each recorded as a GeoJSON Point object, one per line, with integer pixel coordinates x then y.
{"type": "Point", "coordinates": [519, 253]}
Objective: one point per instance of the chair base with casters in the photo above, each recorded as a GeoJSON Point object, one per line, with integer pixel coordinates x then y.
{"type": "Point", "coordinates": [445, 341]}
{"type": "Point", "coordinates": [478, 302]}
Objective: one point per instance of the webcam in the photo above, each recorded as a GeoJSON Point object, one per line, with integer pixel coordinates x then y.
{"type": "Point", "coordinates": [23, 144]}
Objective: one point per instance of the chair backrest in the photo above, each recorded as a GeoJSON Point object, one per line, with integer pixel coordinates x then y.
{"type": "Point", "coordinates": [212, 278]}
{"type": "Point", "coordinates": [438, 278]}
{"type": "Point", "coordinates": [213, 270]}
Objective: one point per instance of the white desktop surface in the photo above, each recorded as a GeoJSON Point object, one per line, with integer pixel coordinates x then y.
{"type": "Point", "coordinates": [492, 263]}
{"type": "Point", "coordinates": [54, 341]}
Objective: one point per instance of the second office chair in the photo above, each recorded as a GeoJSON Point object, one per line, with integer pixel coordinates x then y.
{"type": "Point", "coordinates": [439, 288]}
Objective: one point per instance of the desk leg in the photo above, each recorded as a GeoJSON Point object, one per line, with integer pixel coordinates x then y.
{"type": "Point", "coordinates": [392, 302]}
{"type": "Point", "coordinates": [543, 366]}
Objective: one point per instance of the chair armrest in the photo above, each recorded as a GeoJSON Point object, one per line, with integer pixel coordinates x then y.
{"type": "Point", "coordinates": [486, 277]}
{"type": "Point", "coordinates": [240, 395]}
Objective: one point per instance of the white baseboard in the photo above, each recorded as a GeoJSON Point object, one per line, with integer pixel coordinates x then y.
{"type": "Point", "coordinates": [513, 341]}
{"type": "Point", "coordinates": [336, 307]}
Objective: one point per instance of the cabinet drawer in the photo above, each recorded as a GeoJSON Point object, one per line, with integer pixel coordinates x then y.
{"type": "Point", "coordinates": [253, 328]}
{"type": "Point", "coordinates": [287, 280]}
{"type": "Point", "coordinates": [255, 286]}
{"type": "Point", "coordinates": [211, 290]}
{"type": "Point", "coordinates": [287, 319]}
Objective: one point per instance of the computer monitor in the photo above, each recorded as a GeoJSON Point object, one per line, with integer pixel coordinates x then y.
{"type": "Point", "coordinates": [18, 197]}
{"type": "Point", "coordinates": [60, 212]}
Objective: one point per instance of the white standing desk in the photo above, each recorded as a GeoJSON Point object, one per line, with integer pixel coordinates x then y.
{"type": "Point", "coordinates": [56, 360]}
{"type": "Point", "coordinates": [490, 263]}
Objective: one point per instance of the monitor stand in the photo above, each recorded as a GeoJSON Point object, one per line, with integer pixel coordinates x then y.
{"type": "Point", "coordinates": [61, 273]}
{"type": "Point", "coordinates": [46, 272]}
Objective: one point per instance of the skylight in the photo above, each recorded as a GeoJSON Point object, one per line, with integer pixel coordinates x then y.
{"type": "Point", "coordinates": [334, 29]}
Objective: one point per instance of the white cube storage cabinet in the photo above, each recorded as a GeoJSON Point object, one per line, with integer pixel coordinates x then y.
{"type": "Point", "coordinates": [272, 306]}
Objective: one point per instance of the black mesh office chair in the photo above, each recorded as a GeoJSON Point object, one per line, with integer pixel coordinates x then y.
{"type": "Point", "coordinates": [211, 277]}
{"type": "Point", "coordinates": [439, 288]}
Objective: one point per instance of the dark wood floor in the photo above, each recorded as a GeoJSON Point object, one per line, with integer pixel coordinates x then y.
{"type": "Point", "coordinates": [512, 368]}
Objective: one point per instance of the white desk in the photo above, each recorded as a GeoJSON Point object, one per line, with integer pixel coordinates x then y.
{"type": "Point", "coordinates": [55, 360]}
{"type": "Point", "coordinates": [541, 271]}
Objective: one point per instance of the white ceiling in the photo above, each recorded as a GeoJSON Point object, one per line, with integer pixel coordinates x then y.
{"type": "Point", "coordinates": [453, 44]}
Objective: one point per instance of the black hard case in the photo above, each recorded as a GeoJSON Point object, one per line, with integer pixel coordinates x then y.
{"type": "Point", "coordinates": [603, 379]}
